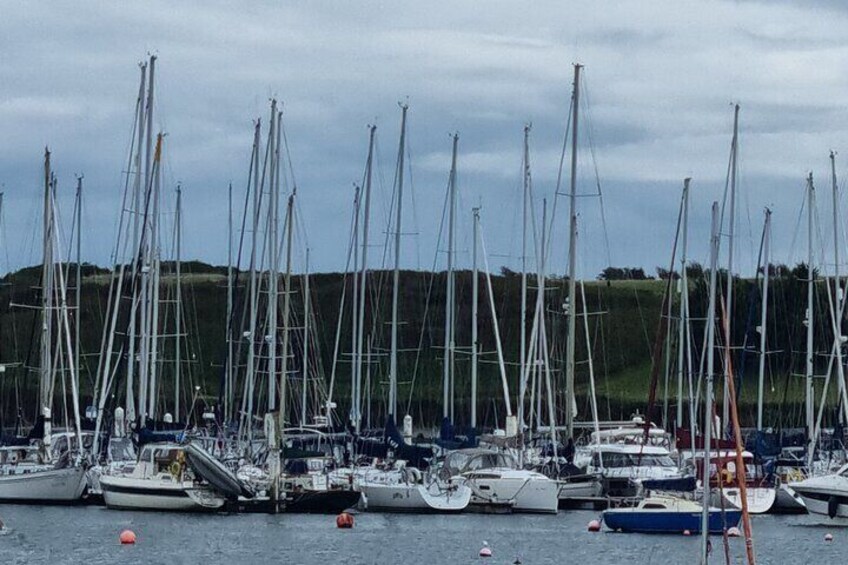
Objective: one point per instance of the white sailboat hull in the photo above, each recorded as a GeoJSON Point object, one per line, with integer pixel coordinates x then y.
{"type": "Point", "coordinates": [61, 486]}
{"type": "Point", "coordinates": [760, 499]}
{"type": "Point", "coordinates": [513, 493]}
{"type": "Point", "coordinates": [414, 498]}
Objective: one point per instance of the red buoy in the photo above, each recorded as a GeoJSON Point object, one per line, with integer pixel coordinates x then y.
{"type": "Point", "coordinates": [127, 537]}
{"type": "Point", "coordinates": [344, 520]}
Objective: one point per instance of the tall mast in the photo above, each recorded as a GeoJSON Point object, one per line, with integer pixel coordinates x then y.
{"type": "Point", "coordinates": [254, 290]}
{"type": "Point", "coordinates": [808, 372]}
{"type": "Point", "coordinates": [354, 302]}
{"type": "Point", "coordinates": [284, 353]}
{"type": "Point", "coordinates": [708, 400]}
{"type": "Point", "coordinates": [45, 400]}
{"type": "Point", "coordinates": [357, 391]}
{"type": "Point", "coordinates": [305, 362]}
{"type": "Point", "coordinates": [763, 317]}
{"type": "Point", "coordinates": [273, 267]}
{"type": "Point", "coordinates": [682, 344]}
{"type": "Point", "coordinates": [228, 382]}
{"type": "Point", "coordinates": [475, 284]}
{"type": "Point", "coordinates": [448, 384]}
{"type": "Point", "coordinates": [139, 183]}
{"type": "Point", "coordinates": [178, 220]}
{"type": "Point", "coordinates": [734, 149]}
{"type": "Point", "coordinates": [393, 368]}
{"type": "Point", "coordinates": [155, 258]}
{"type": "Point", "coordinates": [572, 260]}
{"type": "Point", "coordinates": [524, 211]}
{"type": "Point", "coordinates": [78, 290]}
{"type": "Point", "coordinates": [837, 290]}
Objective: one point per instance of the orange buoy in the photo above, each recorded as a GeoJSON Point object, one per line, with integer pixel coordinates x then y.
{"type": "Point", "coordinates": [485, 551]}
{"type": "Point", "coordinates": [344, 520]}
{"type": "Point", "coordinates": [127, 537]}
{"type": "Point", "coordinates": [594, 526]}
{"type": "Point", "coordinates": [828, 537]}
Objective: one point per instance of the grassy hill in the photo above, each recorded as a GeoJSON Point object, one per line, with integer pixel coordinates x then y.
{"type": "Point", "coordinates": [623, 320]}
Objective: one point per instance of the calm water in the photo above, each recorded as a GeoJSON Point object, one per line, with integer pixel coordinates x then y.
{"type": "Point", "coordinates": [90, 535]}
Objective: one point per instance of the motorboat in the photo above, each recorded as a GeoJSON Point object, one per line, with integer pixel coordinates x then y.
{"type": "Point", "coordinates": [663, 514]}
{"type": "Point", "coordinates": [825, 495]}
{"type": "Point", "coordinates": [161, 479]}
{"type": "Point", "coordinates": [623, 466]}
{"type": "Point", "coordinates": [498, 484]}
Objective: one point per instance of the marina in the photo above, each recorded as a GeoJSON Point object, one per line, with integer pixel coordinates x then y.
{"type": "Point", "coordinates": [296, 330]}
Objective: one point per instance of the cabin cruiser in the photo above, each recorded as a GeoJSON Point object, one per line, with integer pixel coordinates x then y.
{"type": "Point", "coordinates": [661, 513]}
{"type": "Point", "coordinates": [622, 467]}
{"type": "Point", "coordinates": [497, 482]}
{"type": "Point", "coordinates": [826, 495]}
{"type": "Point", "coordinates": [161, 479]}
{"type": "Point", "coordinates": [725, 484]}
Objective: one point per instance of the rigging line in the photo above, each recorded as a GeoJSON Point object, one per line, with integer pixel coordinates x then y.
{"type": "Point", "coordinates": [427, 300]}
{"type": "Point", "coordinates": [589, 134]}
{"type": "Point", "coordinates": [558, 186]}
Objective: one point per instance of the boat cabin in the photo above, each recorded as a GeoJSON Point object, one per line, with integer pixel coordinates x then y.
{"type": "Point", "coordinates": [723, 469]}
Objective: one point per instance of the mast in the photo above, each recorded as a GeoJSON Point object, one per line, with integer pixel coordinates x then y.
{"type": "Point", "coordinates": [808, 371]}
{"type": "Point", "coordinates": [393, 368]}
{"type": "Point", "coordinates": [763, 317]}
{"type": "Point", "coordinates": [138, 183]}
{"type": "Point", "coordinates": [46, 365]}
{"type": "Point", "coordinates": [305, 362]}
{"type": "Point", "coordinates": [682, 343]}
{"type": "Point", "coordinates": [179, 306]}
{"type": "Point", "coordinates": [837, 286]}
{"type": "Point", "coordinates": [354, 318]}
{"type": "Point", "coordinates": [475, 284]}
{"type": "Point", "coordinates": [78, 290]}
{"type": "Point", "coordinates": [734, 148]}
{"type": "Point", "coordinates": [524, 211]}
{"type": "Point", "coordinates": [448, 384]}
{"type": "Point", "coordinates": [357, 390]}
{"type": "Point", "coordinates": [708, 393]}
{"type": "Point", "coordinates": [284, 353]}
{"type": "Point", "coordinates": [273, 267]}
{"type": "Point", "coordinates": [228, 382]}
{"type": "Point", "coordinates": [153, 362]}
{"type": "Point", "coordinates": [572, 260]}
{"type": "Point", "coordinates": [543, 335]}
{"type": "Point", "coordinates": [254, 290]}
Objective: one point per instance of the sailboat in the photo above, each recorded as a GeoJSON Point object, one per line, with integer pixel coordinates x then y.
{"type": "Point", "coordinates": [38, 470]}
{"type": "Point", "coordinates": [664, 514]}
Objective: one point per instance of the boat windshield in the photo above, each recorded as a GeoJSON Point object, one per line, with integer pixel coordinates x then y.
{"type": "Point", "coordinates": [459, 462]}
{"type": "Point", "coordinates": [121, 449]}
{"type": "Point", "coordinates": [613, 460]}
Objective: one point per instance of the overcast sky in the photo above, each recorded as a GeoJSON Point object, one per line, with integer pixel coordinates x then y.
{"type": "Point", "coordinates": [660, 79]}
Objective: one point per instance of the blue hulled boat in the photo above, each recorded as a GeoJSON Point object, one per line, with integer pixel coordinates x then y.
{"type": "Point", "coordinates": [668, 515]}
